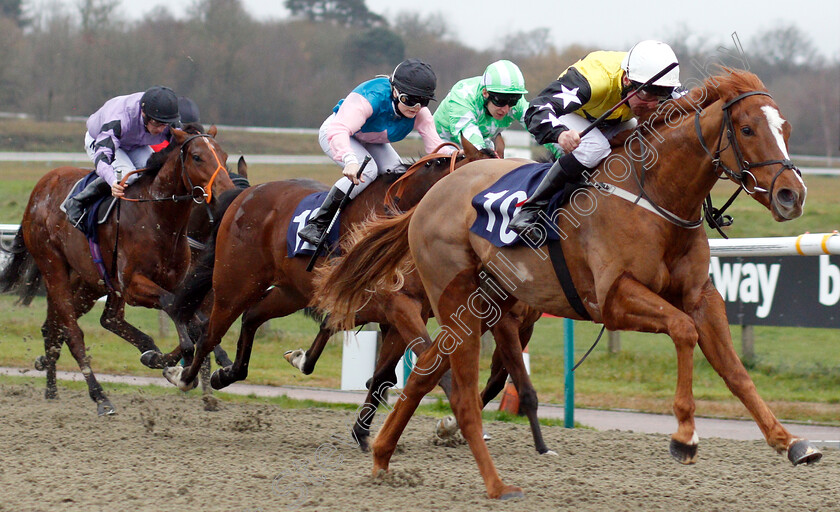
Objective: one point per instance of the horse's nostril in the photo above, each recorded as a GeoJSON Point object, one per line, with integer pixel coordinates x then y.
{"type": "Point", "coordinates": [786, 197]}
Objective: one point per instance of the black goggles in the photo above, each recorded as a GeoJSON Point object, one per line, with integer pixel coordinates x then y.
{"type": "Point", "coordinates": [411, 101]}
{"type": "Point", "coordinates": [503, 100]}
{"type": "Point", "coordinates": [654, 92]}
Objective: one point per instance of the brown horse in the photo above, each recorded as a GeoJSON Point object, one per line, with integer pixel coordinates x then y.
{"type": "Point", "coordinates": [147, 235]}
{"type": "Point", "coordinates": [251, 242]}
{"type": "Point", "coordinates": [642, 269]}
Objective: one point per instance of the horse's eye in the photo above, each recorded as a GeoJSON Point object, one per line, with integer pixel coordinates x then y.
{"type": "Point", "coordinates": [747, 131]}
{"type": "Point", "coordinates": [196, 158]}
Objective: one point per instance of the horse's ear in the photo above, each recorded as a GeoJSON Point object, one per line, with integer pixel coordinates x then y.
{"type": "Point", "coordinates": [242, 167]}
{"type": "Point", "coordinates": [179, 135]}
{"type": "Point", "coordinates": [469, 150]}
{"type": "Point", "coordinates": [212, 131]}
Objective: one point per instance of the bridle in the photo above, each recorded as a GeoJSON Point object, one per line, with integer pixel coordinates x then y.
{"type": "Point", "coordinates": [715, 216]}
{"type": "Point", "coordinates": [198, 193]}
{"type": "Point", "coordinates": [397, 189]}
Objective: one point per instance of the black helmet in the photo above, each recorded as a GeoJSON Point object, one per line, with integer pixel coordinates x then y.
{"type": "Point", "coordinates": [161, 104]}
{"type": "Point", "coordinates": [415, 77]}
{"type": "Point", "coordinates": [188, 110]}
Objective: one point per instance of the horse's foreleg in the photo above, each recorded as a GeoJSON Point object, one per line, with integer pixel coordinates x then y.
{"type": "Point", "coordinates": [113, 319]}
{"type": "Point", "coordinates": [716, 344]}
{"type": "Point", "coordinates": [144, 292]}
{"type": "Point", "coordinates": [629, 305]}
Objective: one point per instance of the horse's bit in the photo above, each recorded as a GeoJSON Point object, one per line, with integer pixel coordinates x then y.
{"type": "Point", "coordinates": [745, 166]}
{"type": "Point", "coordinates": [202, 194]}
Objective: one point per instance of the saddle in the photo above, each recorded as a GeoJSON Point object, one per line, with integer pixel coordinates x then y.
{"type": "Point", "coordinates": [95, 214]}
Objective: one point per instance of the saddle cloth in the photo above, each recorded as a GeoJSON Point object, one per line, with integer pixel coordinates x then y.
{"type": "Point", "coordinates": [496, 205]}
{"type": "Point", "coordinates": [97, 213]}
{"type": "Point", "coordinates": [303, 211]}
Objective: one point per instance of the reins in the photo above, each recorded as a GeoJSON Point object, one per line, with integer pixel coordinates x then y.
{"type": "Point", "coordinates": [205, 194]}
{"type": "Point", "coordinates": [393, 196]}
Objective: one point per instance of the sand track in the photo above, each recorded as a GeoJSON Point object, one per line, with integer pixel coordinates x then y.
{"type": "Point", "coordinates": [167, 453]}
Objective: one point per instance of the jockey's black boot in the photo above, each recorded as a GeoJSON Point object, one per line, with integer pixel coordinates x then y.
{"type": "Point", "coordinates": [75, 206]}
{"type": "Point", "coordinates": [314, 229]}
{"type": "Point", "coordinates": [562, 171]}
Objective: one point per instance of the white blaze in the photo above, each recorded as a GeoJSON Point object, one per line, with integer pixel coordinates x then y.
{"type": "Point", "coordinates": [775, 120]}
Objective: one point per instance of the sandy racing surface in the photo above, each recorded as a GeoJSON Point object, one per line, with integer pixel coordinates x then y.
{"type": "Point", "coordinates": [168, 453]}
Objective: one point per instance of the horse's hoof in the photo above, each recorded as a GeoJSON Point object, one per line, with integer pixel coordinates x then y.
{"type": "Point", "coordinates": [802, 451]}
{"type": "Point", "coordinates": [40, 364]}
{"type": "Point", "coordinates": [296, 358]}
{"type": "Point", "coordinates": [51, 393]}
{"type": "Point", "coordinates": [361, 439]}
{"type": "Point", "coordinates": [216, 380]}
{"type": "Point", "coordinates": [105, 408]}
{"type": "Point", "coordinates": [486, 436]}
{"type": "Point", "coordinates": [684, 453]}
{"type": "Point", "coordinates": [173, 374]}
{"type": "Point", "coordinates": [511, 492]}
{"type": "Point", "coordinates": [549, 452]}
{"type": "Point", "coordinates": [446, 427]}
{"type": "Point", "coordinates": [152, 359]}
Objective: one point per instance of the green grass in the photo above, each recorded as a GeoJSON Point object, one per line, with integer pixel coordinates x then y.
{"type": "Point", "coordinates": [795, 369]}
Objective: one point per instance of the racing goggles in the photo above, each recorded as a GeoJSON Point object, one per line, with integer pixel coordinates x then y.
{"type": "Point", "coordinates": [412, 101]}
{"type": "Point", "coordinates": [503, 100]}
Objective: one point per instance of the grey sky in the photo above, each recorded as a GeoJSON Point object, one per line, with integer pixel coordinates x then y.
{"type": "Point", "coordinates": [480, 23]}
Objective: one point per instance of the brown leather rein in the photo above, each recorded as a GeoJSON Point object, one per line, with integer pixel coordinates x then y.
{"type": "Point", "coordinates": [396, 190]}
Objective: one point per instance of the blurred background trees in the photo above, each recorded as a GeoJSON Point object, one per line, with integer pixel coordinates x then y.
{"type": "Point", "coordinates": [57, 61]}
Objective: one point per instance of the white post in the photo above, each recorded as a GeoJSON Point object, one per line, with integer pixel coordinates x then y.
{"type": "Point", "coordinates": [358, 359]}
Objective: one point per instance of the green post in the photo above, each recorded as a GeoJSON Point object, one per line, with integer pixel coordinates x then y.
{"type": "Point", "coordinates": [408, 364]}
{"type": "Point", "coordinates": [568, 363]}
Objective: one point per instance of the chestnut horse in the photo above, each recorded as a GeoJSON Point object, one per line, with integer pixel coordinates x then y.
{"type": "Point", "coordinates": [147, 234]}
{"type": "Point", "coordinates": [634, 259]}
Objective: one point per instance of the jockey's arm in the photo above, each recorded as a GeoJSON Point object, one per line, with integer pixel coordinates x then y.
{"type": "Point", "coordinates": [425, 126]}
{"type": "Point", "coordinates": [351, 116]}
{"type": "Point", "coordinates": [563, 96]}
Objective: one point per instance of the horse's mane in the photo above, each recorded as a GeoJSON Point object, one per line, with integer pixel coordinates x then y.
{"type": "Point", "coordinates": [724, 86]}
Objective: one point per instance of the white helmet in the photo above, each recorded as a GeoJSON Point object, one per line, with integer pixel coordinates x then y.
{"type": "Point", "coordinates": [648, 58]}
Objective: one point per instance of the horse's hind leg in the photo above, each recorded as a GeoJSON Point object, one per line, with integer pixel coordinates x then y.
{"type": "Point", "coordinates": [509, 345]}
{"type": "Point", "coordinates": [716, 343]}
{"type": "Point", "coordinates": [67, 329]}
{"type": "Point", "coordinates": [52, 351]}
{"type": "Point", "coordinates": [393, 347]}
{"type": "Point", "coordinates": [460, 340]}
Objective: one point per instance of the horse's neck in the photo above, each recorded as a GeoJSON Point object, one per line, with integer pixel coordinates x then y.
{"type": "Point", "coordinates": [168, 183]}
{"type": "Point", "coordinates": [677, 174]}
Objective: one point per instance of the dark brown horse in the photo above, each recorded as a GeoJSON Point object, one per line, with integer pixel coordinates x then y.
{"type": "Point", "coordinates": [148, 236]}
{"type": "Point", "coordinates": [642, 269]}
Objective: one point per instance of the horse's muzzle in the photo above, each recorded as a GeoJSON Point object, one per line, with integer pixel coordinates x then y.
{"type": "Point", "coordinates": [788, 203]}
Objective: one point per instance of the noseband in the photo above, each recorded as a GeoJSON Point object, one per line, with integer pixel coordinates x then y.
{"type": "Point", "coordinates": [715, 216]}
{"type": "Point", "coordinates": [197, 193]}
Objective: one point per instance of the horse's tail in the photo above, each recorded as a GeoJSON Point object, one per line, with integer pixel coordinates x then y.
{"type": "Point", "coordinates": [199, 280]}
{"type": "Point", "coordinates": [20, 272]}
{"type": "Point", "coordinates": [375, 257]}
